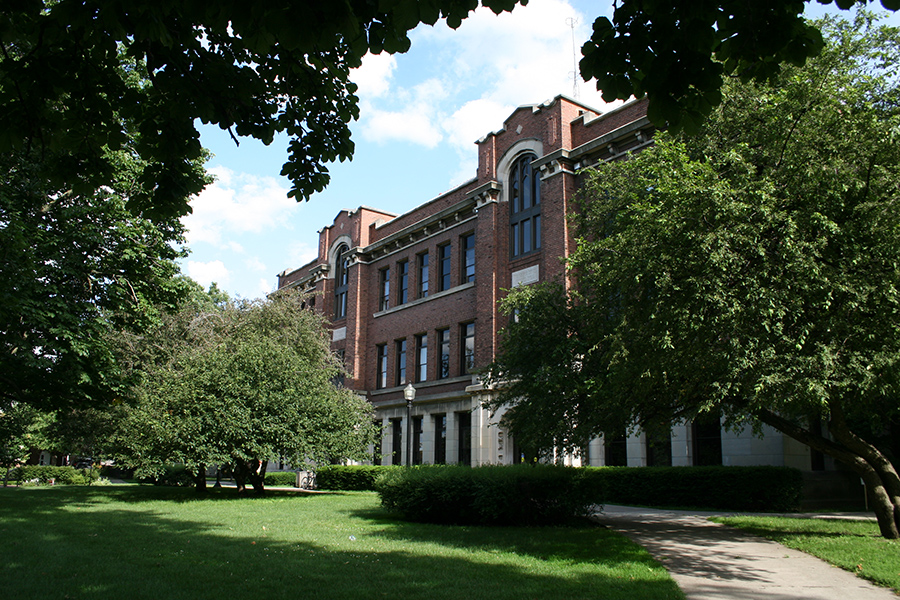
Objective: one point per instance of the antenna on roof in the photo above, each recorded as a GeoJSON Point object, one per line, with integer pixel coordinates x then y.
{"type": "Point", "coordinates": [571, 22]}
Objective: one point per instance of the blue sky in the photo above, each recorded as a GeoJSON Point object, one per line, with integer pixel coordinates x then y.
{"type": "Point", "coordinates": [420, 115]}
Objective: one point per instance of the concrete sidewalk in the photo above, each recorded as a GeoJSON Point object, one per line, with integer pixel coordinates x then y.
{"type": "Point", "coordinates": [710, 561]}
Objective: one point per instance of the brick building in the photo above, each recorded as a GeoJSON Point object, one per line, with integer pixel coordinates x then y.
{"type": "Point", "coordinates": [414, 297]}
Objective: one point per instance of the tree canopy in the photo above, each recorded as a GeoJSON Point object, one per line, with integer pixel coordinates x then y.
{"type": "Point", "coordinates": [254, 68]}
{"type": "Point", "coordinates": [749, 272]}
{"type": "Point", "coordinates": [239, 384]}
{"type": "Point", "coordinates": [74, 263]}
{"type": "Point", "coordinates": [259, 68]}
{"type": "Point", "coordinates": [678, 53]}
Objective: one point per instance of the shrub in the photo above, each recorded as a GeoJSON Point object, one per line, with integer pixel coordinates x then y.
{"type": "Point", "coordinates": [493, 495]}
{"type": "Point", "coordinates": [281, 479]}
{"type": "Point", "coordinates": [351, 477]}
{"type": "Point", "coordinates": [44, 474]}
{"type": "Point", "coordinates": [775, 489]}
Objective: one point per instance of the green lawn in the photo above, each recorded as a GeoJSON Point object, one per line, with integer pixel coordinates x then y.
{"type": "Point", "coordinates": [141, 542]}
{"type": "Point", "coordinates": [852, 545]}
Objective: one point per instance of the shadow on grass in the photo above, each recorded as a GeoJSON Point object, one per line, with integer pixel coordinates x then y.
{"type": "Point", "coordinates": [156, 543]}
{"type": "Point", "coordinates": [585, 542]}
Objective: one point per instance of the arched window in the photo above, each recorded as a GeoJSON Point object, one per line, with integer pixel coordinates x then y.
{"type": "Point", "coordinates": [341, 279]}
{"type": "Point", "coordinates": [524, 207]}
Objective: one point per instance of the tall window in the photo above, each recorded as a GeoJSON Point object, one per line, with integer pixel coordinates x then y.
{"type": "Point", "coordinates": [464, 439]}
{"type": "Point", "coordinates": [444, 267]}
{"type": "Point", "coordinates": [402, 282]}
{"type": "Point", "coordinates": [400, 371]}
{"type": "Point", "coordinates": [616, 447]}
{"type": "Point", "coordinates": [443, 340]}
{"type": "Point", "coordinates": [396, 442]}
{"type": "Point", "coordinates": [659, 447]}
{"type": "Point", "coordinates": [384, 285]}
{"type": "Point", "coordinates": [468, 257]}
{"type": "Point", "coordinates": [423, 275]}
{"type": "Point", "coordinates": [524, 207]}
{"type": "Point", "coordinates": [417, 440]}
{"type": "Point", "coordinates": [381, 366]}
{"type": "Point", "coordinates": [422, 357]}
{"type": "Point", "coordinates": [341, 280]}
{"type": "Point", "coordinates": [467, 348]}
{"type": "Point", "coordinates": [440, 439]}
{"type": "Point", "coordinates": [376, 452]}
{"type": "Point", "coordinates": [706, 434]}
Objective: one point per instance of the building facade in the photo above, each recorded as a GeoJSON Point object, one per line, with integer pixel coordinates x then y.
{"type": "Point", "coordinates": [413, 298]}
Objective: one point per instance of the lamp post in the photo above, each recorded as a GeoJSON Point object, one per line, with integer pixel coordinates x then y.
{"type": "Point", "coordinates": [409, 392]}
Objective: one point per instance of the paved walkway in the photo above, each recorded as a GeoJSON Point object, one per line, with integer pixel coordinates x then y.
{"type": "Point", "coordinates": [710, 561]}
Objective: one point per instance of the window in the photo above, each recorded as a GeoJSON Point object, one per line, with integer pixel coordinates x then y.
{"type": "Point", "coordinates": [417, 440]}
{"type": "Point", "coordinates": [444, 267]}
{"type": "Point", "coordinates": [380, 366]}
{"type": "Point", "coordinates": [468, 257]}
{"type": "Point", "coordinates": [440, 439]}
{"type": "Point", "coordinates": [400, 371]}
{"type": "Point", "coordinates": [384, 285]}
{"type": "Point", "coordinates": [706, 437]}
{"type": "Point", "coordinates": [341, 281]}
{"type": "Point", "coordinates": [423, 275]}
{"type": "Point", "coordinates": [396, 441]}
{"type": "Point", "coordinates": [443, 339]}
{"type": "Point", "coordinates": [659, 447]}
{"type": "Point", "coordinates": [402, 282]}
{"type": "Point", "coordinates": [524, 207]}
{"type": "Point", "coordinates": [616, 447]}
{"type": "Point", "coordinates": [422, 357]}
{"type": "Point", "coordinates": [467, 348]}
{"type": "Point", "coordinates": [376, 452]}
{"type": "Point", "coordinates": [464, 431]}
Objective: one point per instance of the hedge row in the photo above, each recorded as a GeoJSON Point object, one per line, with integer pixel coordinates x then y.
{"type": "Point", "coordinates": [545, 494]}
{"type": "Point", "coordinates": [351, 477]}
{"type": "Point", "coordinates": [44, 474]}
{"type": "Point", "coordinates": [492, 495]}
{"type": "Point", "coordinates": [281, 479]}
{"type": "Point", "coordinates": [774, 489]}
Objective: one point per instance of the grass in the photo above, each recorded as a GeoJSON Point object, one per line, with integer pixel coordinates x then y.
{"type": "Point", "coordinates": [142, 542]}
{"type": "Point", "coordinates": [852, 545]}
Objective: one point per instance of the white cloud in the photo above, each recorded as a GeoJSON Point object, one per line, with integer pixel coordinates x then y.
{"type": "Point", "coordinates": [476, 76]}
{"type": "Point", "coordinates": [264, 287]}
{"type": "Point", "coordinates": [254, 264]}
{"type": "Point", "coordinates": [411, 117]}
{"type": "Point", "coordinates": [299, 254]}
{"type": "Point", "coordinates": [237, 203]}
{"type": "Point", "coordinates": [206, 273]}
{"type": "Point", "coordinates": [374, 76]}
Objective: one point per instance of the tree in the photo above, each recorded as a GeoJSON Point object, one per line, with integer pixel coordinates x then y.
{"type": "Point", "coordinates": [678, 53]}
{"type": "Point", "coordinates": [21, 430]}
{"type": "Point", "coordinates": [254, 68]}
{"type": "Point", "coordinates": [749, 272]}
{"type": "Point", "coordinates": [75, 262]}
{"type": "Point", "coordinates": [258, 68]}
{"type": "Point", "coordinates": [241, 384]}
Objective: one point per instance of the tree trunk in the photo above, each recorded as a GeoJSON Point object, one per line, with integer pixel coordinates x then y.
{"type": "Point", "coordinates": [882, 466]}
{"type": "Point", "coordinates": [252, 472]}
{"type": "Point", "coordinates": [258, 475]}
{"type": "Point", "coordinates": [240, 476]}
{"type": "Point", "coordinates": [200, 478]}
{"type": "Point", "coordinates": [885, 507]}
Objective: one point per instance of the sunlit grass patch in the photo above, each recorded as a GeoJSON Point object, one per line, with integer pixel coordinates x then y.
{"type": "Point", "coordinates": [140, 542]}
